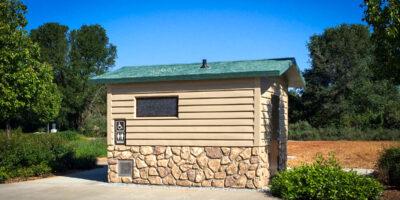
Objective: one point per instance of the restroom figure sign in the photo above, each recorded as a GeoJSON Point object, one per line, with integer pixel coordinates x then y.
{"type": "Point", "coordinates": [120, 133]}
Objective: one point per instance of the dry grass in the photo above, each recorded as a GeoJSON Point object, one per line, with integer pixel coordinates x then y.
{"type": "Point", "coordinates": [351, 154]}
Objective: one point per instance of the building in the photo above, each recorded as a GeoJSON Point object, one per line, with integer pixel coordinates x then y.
{"type": "Point", "coordinates": [220, 124]}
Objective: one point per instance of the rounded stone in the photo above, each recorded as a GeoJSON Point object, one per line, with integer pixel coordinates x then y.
{"type": "Point", "coordinates": [220, 175]}
{"type": "Point", "coordinates": [217, 183]}
{"type": "Point", "coordinates": [225, 150]}
{"type": "Point", "coordinates": [146, 150]}
{"type": "Point", "coordinates": [162, 163]}
{"type": "Point", "coordinates": [168, 152]}
{"type": "Point", "coordinates": [185, 153]}
{"type": "Point", "coordinates": [246, 154]}
{"type": "Point", "coordinates": [135, 149]}
{"type": "Point", "coordinates": [169, 180]}
{"type": "Point", "coordinates": [153, 171]}
{"type": "Point", "coordinates": [140, 163]}
{"type": "Point", "coordinates": [232, 169]}
{"type": "Point", "coordinates": [191, 175]}
{"type": "Point", "coordinates": [214, 164]}
{"type": "Point", "coordinates": [206, 183]}
{"type": "Point", "coordinates": [196, 151]}
{"type": "Point", "coordinates": [202, 160]}
{"type": "Point", "coordinates": [183, 183]}
{"type": "Point", "coordinates": [156, 180]}
{"type": "Point", "coordinates": [151, 160]}
{"type": "Point", "coordinates": [163, 172]}
{"type": "Point", "coordinates": [144, 173]}
{"type": "Point", "coordinates": [225, 160]}
{"type": "Point", "coordinates": [235, 151]}
{"type": "Point", "coordinates": [213, 152]}
{"type": "Point", "coordinates": [159, 150]}
{"type": "Point", "coordinates": [176, 150]}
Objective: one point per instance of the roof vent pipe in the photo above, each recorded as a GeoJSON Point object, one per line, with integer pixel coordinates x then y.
{"type": "Point", "coordinates": [204, 65]}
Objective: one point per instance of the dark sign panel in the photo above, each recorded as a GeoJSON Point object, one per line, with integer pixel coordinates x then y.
{"type": "Point", "coordinates": [157, 107]}
{"type": "Point", "coordinates": [120, 131]}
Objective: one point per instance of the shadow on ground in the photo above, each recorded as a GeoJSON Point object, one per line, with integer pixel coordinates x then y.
{"type": "Point", "coordinates": [98, 174]}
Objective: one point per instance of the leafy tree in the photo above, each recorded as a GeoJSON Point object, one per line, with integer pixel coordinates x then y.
{"type": "Point", "coordinates": [26, 85]}
{"type": "Point", "coordinates": [52, 39]}
{"type": "Point", "coordinates": [77, 55]}
{"type": "Point", "coordinates": [91, 54]}
{"type": "Point", "coordinates": [340, 90]}
{"type": "Point", "coordinates": [384, 17]}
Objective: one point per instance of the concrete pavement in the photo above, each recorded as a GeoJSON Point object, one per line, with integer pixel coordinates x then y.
{"type": "Point", "coordinates": [91, 185]}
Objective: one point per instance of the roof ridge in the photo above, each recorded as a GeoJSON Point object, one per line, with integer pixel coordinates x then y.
{"type": "Point", "coordinates": [226, 61]}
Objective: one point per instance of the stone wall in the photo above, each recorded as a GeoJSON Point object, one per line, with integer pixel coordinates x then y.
{"type": "Point", "coordinates": [237, 167]}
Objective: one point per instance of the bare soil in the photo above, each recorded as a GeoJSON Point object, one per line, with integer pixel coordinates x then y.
{"type": "Point", "coordinates": [350, 154]}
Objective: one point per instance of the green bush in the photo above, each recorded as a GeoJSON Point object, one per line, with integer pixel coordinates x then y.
{"type": "Point", "coordinates": [69, 135]}
{"type": "Point", "coordinates": [389, 166]}
{"type": "Point", "coordinates": [87, 151]}
{"type": "Point", "coordinates": [322, 180]}
{"type": "Point", "coordinates": [24, 155]}
{"type": "Point", "coordinates": [304, 131]}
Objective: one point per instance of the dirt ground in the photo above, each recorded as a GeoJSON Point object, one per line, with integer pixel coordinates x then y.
{"type": "Point", "coordinates": [351, 154]}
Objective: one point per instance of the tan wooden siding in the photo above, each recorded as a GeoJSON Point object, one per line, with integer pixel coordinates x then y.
{"type": "Point", "coordinates": [273, 86]}
{"type": "Point", "coordinates": [211, 113]}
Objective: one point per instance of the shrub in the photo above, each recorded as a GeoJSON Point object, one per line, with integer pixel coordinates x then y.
{"type": "Point", "coordinates": [324, 179]}
{"type": "Point", "coordinates": [87, 151]}
{"type": "Point", "coordinates": [24, 155]}
{"type": "Point", "coordinates": [69, 135]}
{"type": "Point", "coordinates": [389, 166]}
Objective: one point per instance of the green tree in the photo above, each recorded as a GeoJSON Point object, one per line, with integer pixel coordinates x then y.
{"type": "Point", "coordinates": [91, 54]}
{"type": "Point", "coordinates": [26, 86]}
{"type": "Point", "coordinates": [77, 55]}
{"type": "Point", "coordinates": [340, 90]}
{"type": "Point", "coordinates": [53, 42]}
{"type": "Point", "coordinates": [384, 17]}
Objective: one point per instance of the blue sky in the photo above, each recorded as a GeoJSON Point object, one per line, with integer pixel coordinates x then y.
{"type": "Point", "coordinates": [164, 32]}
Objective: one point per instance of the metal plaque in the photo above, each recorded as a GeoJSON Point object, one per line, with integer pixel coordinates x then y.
{"type": "Point", "coordinates": [125, 167]}
{"type": "Point", "coordinates": [120, 131]}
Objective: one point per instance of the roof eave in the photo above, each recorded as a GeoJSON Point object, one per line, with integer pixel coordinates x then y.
{"type": "Point", "coordinates": [184, 77]}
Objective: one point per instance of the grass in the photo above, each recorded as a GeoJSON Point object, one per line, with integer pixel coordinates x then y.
{"type": "Point", "coordinates": [92, 146]}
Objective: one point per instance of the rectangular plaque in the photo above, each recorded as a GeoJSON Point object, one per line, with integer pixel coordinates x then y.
{"type": "Point", "coordinates": [157, 107]}
{"type": "Point", "coordinates": [120, 131]}
{"type": "Point", "coordinates": [125, 167]}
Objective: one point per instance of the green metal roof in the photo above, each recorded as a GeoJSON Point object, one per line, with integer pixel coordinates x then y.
{"type": "Point", "coordinates": [216, 70]}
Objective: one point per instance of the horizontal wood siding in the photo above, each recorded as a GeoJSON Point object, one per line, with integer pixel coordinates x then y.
{"type": "Point", "coordinates": [211, 113]}
{"type": "Point", "coordinates": [273, 86]}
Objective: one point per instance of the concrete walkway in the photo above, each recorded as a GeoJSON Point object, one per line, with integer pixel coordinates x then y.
{"type": "Point", "coordinates": [91, 185]}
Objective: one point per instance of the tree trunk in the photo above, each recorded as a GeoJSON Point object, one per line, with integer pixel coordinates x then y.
{"type": "Point", "coordinates": [8, 129]}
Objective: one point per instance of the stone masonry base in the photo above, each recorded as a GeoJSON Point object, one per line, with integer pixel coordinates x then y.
{"type": "Point", "coordinates": [237, 167]}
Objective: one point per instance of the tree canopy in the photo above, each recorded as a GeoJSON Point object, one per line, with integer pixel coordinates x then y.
{"type": "Point", "coordinates": [26, 85]}
{"type": "Point", "coordinates": [340, 88]}
{"type": "Point", "coordinates": [384, 18]}
{"type": "Point", "coordinates": [76, 55]}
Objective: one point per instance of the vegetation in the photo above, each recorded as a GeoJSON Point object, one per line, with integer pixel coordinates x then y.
{"type": "Point", "coordinates": [389, 166]}
{"type": "Point", "coordinates": [384, 18]}
{"type": "Point", "coordinates": [341, 91]}
{"type": "Point", "coordinates": [25, 155]}
{"type": "Point", "coordinates": [76, 56]}
{"type": "Point", "coordinates": [304, 131]}
{"type": "Point", "coordinates": [27, 91]}
{"type": "Point", "coordinates": [324, 179]}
